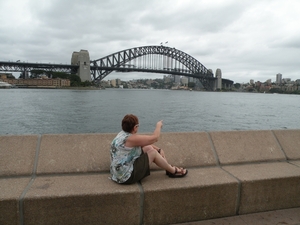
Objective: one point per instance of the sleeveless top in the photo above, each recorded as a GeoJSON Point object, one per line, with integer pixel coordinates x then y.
{"type": "Point", "coordinates": [122, 158]}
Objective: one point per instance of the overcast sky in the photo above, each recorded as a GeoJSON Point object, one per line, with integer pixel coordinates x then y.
{"type": "Point", "coordinates": [246, 39]}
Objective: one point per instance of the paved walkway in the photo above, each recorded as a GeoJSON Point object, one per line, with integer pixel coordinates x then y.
{"type": "Point", "coordinates": [278, 217]}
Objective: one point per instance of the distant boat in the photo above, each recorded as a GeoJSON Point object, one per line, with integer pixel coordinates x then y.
{"type": "Point", "coordinates": [5, 85]}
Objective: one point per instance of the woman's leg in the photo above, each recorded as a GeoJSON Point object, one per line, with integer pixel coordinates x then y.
{"type": "Point", "coordinates": [155, 157]}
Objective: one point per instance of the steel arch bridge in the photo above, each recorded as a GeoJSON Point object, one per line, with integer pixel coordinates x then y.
{"type": "Point", "coordinates": [153, 59]}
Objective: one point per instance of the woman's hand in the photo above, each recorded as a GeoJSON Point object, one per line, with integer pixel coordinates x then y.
{"type": "Point", "coordinates": [159, 124]}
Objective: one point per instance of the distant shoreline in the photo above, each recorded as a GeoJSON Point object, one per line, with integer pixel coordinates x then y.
{"type": "Point", "coordinates": [56, 87]}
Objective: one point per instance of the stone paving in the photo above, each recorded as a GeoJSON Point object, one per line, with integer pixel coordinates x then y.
{"type": "Point", "coordinates": [277, 217]}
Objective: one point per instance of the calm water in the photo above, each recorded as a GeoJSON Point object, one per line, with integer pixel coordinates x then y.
{"type": "Point", "coordinates": [36, 111]}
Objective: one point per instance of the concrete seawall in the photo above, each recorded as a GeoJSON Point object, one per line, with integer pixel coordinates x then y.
{"type": "Point", "coordinates": [64, 178]}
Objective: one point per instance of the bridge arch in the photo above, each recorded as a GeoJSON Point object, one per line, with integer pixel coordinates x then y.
{"type": "Point", "coordinates": [187, 65]}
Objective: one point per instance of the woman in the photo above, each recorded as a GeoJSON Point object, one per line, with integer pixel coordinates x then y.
{"type": "Point", "coordinates": [132, 154]}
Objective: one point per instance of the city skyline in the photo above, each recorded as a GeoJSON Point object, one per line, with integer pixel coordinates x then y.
{"type": "Point", "coordinates": [157, 76]}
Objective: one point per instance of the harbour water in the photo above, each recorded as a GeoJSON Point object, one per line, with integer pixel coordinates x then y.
{"type": "Point", "coordinates": [45, 111]}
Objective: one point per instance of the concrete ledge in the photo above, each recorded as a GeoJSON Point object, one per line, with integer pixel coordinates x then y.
{"type": "Point", "coordinates": [192, 149]}
{"type": "Point", "coordinates": [296, 163]}
{"type": "Point", "coordinates": [63, 179]}
{"type": "Point", "coordinates": [290, 142]}
{"type": "Point", "coordinates": [11, 190]}
{"type": "Point", "coordinates": [205, 193]}
{"type": "Point", "coordinates": [82, 199]}
{"type": "Point", "coordinates": [74, 153]}
{"type": "Point", "coordinates": [17, 154]}
{"type": "Point", "coordinates": [267, 186]}
{"type": "Point", "coordinates": [246, 146]}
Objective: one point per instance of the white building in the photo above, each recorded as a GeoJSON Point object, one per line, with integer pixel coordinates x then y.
{"type": "Point", "coordinates": [184, 81]}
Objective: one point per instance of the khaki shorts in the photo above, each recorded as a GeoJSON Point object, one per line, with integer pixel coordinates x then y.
{"type": "Point", "coordinates": [141, 169]}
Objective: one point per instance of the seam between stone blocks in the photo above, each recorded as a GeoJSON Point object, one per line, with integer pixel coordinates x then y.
{"type": "Point", "coordinates": [276, 139]}
{"type": "Point", "coordinates": [213, 149]}
{"type": "Point", "coordinates": [33, 176]}
{"type": "Point", "coordinates": [238, 201]}
{"type": "Point", "coordinates": [142, 199]}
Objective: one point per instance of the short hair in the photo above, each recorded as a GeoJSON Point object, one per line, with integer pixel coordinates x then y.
{"type": "Point", "coordinates": [128, 122]}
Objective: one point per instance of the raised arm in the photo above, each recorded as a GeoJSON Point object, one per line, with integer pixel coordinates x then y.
{"type": "Point", "coordinates": [143, 140]}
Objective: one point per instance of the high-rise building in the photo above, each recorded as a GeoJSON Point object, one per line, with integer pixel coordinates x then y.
{"type": "Point", "coordinates": [118, 81]}
{"type": "Point", "coordinates": [177, 79]}
{"type": "Point", "coordinates": [192, 79]}
{"type": "Point", "coordinates": [184, 80]}
{"type": "Point", "coordinates": [113, 83]}
{"type": "Point", "coordinates": [286, 80]}
{"type": "Point", "coordinates": [278, 78]}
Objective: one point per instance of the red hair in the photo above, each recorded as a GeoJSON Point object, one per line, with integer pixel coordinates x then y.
{"type": "Point", "coordinates": [128, 122]}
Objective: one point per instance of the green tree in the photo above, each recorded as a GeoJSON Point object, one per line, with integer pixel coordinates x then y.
{"type": "Point", "coordinates": [275, 90]}
{"type": "Point", "coordinates": [191, 84]}
{"type": "Point", "coordinates": [61, 75]}
{"type": "Point", "coordinates": [86, 84]}
{"type": "Point", "coordinates": [75, 80]}
{"type": "Point", "coordinates": [237, 85]}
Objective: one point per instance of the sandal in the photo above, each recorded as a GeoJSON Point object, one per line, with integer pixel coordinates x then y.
{"type": "Point", "coordinates": [177, 174]}
{"type": "Point", "coordinates": [167, 172]}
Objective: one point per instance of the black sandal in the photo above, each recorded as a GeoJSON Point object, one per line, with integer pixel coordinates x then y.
{"type": "Point", "coordinates": [176, 175]}
{"type": "Point", "coordinates": [167, 172]}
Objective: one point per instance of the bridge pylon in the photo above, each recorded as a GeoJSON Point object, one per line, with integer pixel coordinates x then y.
{"type": "Point", "coordinates": [82, 59]}
{"type": "Point", "coordinates": [219, 79]}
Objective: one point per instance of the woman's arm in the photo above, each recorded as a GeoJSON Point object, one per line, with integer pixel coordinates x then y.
{"type": "Point", "coordinates": [143, 140]}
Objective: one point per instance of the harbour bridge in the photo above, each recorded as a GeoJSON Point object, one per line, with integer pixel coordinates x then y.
{"type": "Point", "coordinates": [151, 59]}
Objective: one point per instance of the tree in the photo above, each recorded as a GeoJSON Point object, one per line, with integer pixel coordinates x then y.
{"type": "Point", "coordinates": [191, 84]}
{"type": "Point", "coordinates": [86, 84]}
{"type": "Point", "coordinates": [237, 85]}
{"type": "Point", "coordinates": [276, 90]}
{"type": "Point", "coordinates": [74, 80]}
{"type": "Point", "coordinates": [61, 75]}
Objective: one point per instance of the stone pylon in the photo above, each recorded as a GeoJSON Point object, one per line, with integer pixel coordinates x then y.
{"type": "Point", "coordinates": [82, 59]}
{"type": "Point", "coordinates": [219, 78]}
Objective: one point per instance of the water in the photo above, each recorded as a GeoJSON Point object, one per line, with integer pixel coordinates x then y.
{"type": "Point", "coordinates": [38, 111]}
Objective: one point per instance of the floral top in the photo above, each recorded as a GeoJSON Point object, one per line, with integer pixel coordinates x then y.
{"type": "Point", "coordinates": [122, 158]}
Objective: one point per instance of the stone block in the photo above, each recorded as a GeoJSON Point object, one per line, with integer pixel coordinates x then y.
{"type": "Point", "coordinates": [188, 149]}
{"type": "Point", "coordinates": [278, 217]}
{"type": "Point", "coordinates": [17, 154]}
{"type": "Point", "coordinates": [296, 163]}
{"type": "Point", "coordinates": [203, 194]}
{"type": "Point", "coordinates": [246, 146]}
{"type": "Point", "coordinates": [290, 142]}
{"type": "Point", "coordinates": [11, 190]}
{"type": "Point", "coordinates": [267, 186]}
{"type": "Point", "coordinates": [74, 153]}
{"type": "Point", "coordinates": [78, 199]}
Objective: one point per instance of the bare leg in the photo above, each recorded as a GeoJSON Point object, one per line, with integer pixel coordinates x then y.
{"type": "Point", "coordinates": [155, 157]}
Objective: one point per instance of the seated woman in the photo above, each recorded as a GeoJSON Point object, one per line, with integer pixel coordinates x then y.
{"type": "Point", "coordinates": [132, 154]}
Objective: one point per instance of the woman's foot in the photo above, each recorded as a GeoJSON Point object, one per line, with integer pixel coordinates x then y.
{"type": "Point", "coordinates": [178, 172]}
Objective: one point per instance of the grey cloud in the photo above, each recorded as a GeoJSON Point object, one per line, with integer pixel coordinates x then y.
{"type": "Point", "coordinates": [243, 38]}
